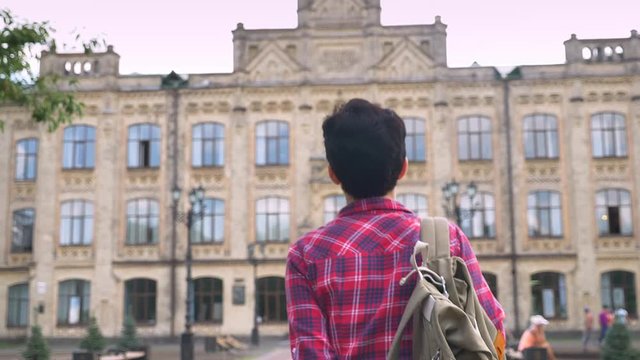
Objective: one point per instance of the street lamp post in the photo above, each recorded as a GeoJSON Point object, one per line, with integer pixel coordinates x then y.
{"type": "Point", "coordinates": [251, 250]}
{"type": "Point", "coordinates": [451, 207]}
{"type": "Point", "coordinates": [196, 197]}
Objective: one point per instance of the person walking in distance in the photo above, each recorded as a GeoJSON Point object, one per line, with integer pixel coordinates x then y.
{"type": "Point", "coordinates": [587, 328]}
{"type": "Point", "coordinates": [604, 318]}
{"type": "Point", "coordinates": [344, 298]}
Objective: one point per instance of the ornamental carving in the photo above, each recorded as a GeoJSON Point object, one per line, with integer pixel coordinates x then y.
{"type": "Point", "coordinates": [485, 247]}
{"type": "Point", "coordinates": [24, 259]}
{"type": "Point", "coordinates": [477, 171]}
{"type": "Point", "coordinates": [142, 178]}
{"type": "Point", "coordinates": [338, 60]}
{"type": "Point", "coordinates": [25, 125]}
{"type": "Point", "coordinates": [140, 252]}
{"type": "Point", "coordinates": [209, 251]}
{"type": "Point", "coordinates": [74, 253]}
{"type": "Point", "coordinates": [544, 245]}
{"type": "Point", "coordinates": [617, 244]}
{"type": "Point", "coordinates": [545, 172]}
{"type": "Point", "coordinates": [319, 172]}
{"type": "Point", "coordinates": [272, 175]}
{"type": "Point", "coordinates": [78, 181]}
{"type": "Point", "coordinates": [208, 177]}
{"type": "Point", "coordinates": [417, 172]}
{"type": "Point", "coordinates": [276, 250]}
{"type": "Point", "coordinates": [25, 191]}
{"type": "Point", "coordinates": [613, 170]}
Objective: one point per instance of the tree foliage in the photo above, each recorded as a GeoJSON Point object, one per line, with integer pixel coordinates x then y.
{"type": "Point", "coordinates": [128, 338]}
{"type": "Point", "coordinates": [20, 42]}
{"type": "Point", "coordinates": [93, 342]}
{"type": "Point", "coordinates": [617, 344]}
{"type": "Point", "coordinates": [37, 347]}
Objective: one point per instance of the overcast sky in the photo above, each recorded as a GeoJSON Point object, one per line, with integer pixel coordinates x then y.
{"type": "Point", "coordinates": [194, 36]}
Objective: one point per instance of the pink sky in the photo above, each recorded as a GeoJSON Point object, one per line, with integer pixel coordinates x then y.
{"type": "Point", "coordinates": [194, 36]}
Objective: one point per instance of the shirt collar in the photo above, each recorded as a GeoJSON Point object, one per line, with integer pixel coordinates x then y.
{"type": "Point", "coordinates": [374, 204]}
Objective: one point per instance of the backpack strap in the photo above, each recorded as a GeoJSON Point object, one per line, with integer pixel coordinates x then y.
{"type": "Point", "coordinates": [435, 232]}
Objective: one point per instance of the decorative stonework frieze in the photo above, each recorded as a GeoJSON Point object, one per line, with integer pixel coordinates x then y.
{"type": "Point", "coordinates": [545, 245]}
{"type": "Point", "coordinates": [74, 253]}
{"type": "Point", "coordinates": [26, 124]}
{"type": "Point", "coordinates": [70, 332]}
{"type": "Point", "coordinates": [417, 172]}
{"type": "Point", "coordinates": [485, 247]}
{"type": "Point", "coordinates": [276, 250]}
{"type": "Point", "coordinates": [208, 176]}
{"type": "Point", "coordinates": [24, 191]}
{"type": "Point", "coordinates": [611, 170]}
{"type": "Point", "coordinates": [140, 252]}
{"type": "Point", "coordinates": [142, 178]}
{"type": "Point", "coordinates": [21, 259]}
{"type": "Point", "coordinates": [543, 172]}
{"type": "Point", "coordinates": [539, 99]}
{"type": "Point", "coordinates": [272, 175]}
{"type": "Point", "coordinates": [209, 251]}
{"type": "Point", "coordinates": [617, 243]}
{"type": "Point", "coordinates": [476, 170]}
{"type": "Point", "coordinates": [74, 181]}
{"type": "Point", "coordinates": [319, 172]}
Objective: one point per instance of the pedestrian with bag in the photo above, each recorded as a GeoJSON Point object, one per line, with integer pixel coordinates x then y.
{"type": "Point", "coordinates": [349, 283]}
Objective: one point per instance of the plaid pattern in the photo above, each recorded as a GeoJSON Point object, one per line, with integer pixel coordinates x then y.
{"type": "Point", "coordinates": [344, 300]}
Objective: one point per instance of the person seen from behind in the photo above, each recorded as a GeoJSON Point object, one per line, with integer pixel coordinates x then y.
{"type": "Point", "coordinates": [604, 318]}
{"type": "Point", "coordinates": [344, 298]}
{"type": "Point", "coordinates": [587, 328]}
{"type": "Point", "coordinates": [534, 336]}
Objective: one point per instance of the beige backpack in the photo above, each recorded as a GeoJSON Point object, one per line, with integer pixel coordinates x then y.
{"type": "Point", "coordinates": [448, 320]}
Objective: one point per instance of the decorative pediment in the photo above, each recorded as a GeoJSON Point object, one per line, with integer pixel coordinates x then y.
{"type": "Point", "coordinates": [405, 61]}
{"type": "Point", "coordinates": [338, 8]}
{"type": "Point", "coordinates": [273, 64]}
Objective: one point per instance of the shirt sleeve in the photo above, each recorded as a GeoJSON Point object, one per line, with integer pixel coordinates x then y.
{"type": "Point", "coordinates": [307, 323]}
{"type": "Point", "coordinates": [461, 247]}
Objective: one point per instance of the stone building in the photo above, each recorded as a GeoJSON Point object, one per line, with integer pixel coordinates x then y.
{"type": "Point", "coordinates": [87, 215]}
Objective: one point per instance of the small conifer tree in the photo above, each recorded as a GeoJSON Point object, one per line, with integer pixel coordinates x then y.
{"type": "Point", "coordinates": [128, 338]}
{"type": "Point", "coordinates": [37, 347]}
{"type": "Point", "coordinates": [617, 344]}
{"type": "Point", "coordinates": [93, 342]}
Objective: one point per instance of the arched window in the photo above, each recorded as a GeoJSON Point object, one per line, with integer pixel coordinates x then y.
{"type": "Point", "coordinates": [79, 147]}
{"type": "Point", "coordinates": [478, 215]}
{"type": "Point", "coordinates": [140, 300]}
{"type": "Point", "coordinates": [544, 214]}
{"type": "Point", "coordinates": [613, 212]}
{"type": "Point", "coordinates": [207, 145]}
{"type": "Point", "coordinates": [272, 143]}
{"type": "Point", "coordinates": [332, 206]}
{"type": "Point", "coordinates": [142, 222]}
{"type": "Point", "coordinates": [414, 141]}
{"type": "Point", "coordinates": [18, 305]}
{"type": "Point", "coordinates": [26, 159]}
{"type": "Point", "coordinates": [208, 294]}
{"type": "Point", "coordinates": [272, 219]}
{"type": "Point", "coordinates": [492, 281]}
{"type": "Point", "coordinates": [74, 302]}
{"type": "Point", "coordinates": [414, 202]}
{"type": "Point", "coordinates": [618, 290]}
{"type": "Point", "coordinates": [474, 138]}
{"type": "Point", "coordinates": [549, 295]}
{"type": "Point", "coordinates": [22, 231]}
{"type": "Point", "coordinates": [608, 135]}
{"type": "Point", "coordinates": [540, 136]}
{"type": "Point", "coordinates": [272, 305]}
{"type": "Point", "coordinates": [144, 146]}
{"type": "Point", "coordinates": [209, 228]}
{"type": "Point", "coordinates": [76, 223]}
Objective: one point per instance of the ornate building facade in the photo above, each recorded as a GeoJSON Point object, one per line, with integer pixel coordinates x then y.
{"type": "Point", "coordinates": [88, 222]}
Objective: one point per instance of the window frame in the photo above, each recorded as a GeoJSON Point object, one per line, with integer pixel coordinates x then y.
{"type": "Point", "coordinates": [271, 289]}
{"type": "Point", "coordinates": [332, 204]}
{"type": "Point", "coordinates": [489, 230]}
{"type": "Point", "coordinates": [79, 146]}
{"type": "Point", "coordinates": [558, 283]}
{"type": "Point", "coordinates": [147, 137]}
{"type": "Point", "coordinates": [605, 209]}
{"type": "Point", "coordinates": [22, 249]}
{"type": "Point", "coordinates": [29, 159]}
{"type": "Point", "coordinates": [537, 211]}
{"type": "Point", "coordinates": [407, 199]}
{"type": "Point", "coordinates": [264, 138]}
{"type": "Point", "coordinates": [23, 305]}
{"type": "Point", "coordinates": [416, 131]}
{"type": "Point", "coordinates": [607, 294]}
{"type": "Point", "coordinates": [617, 133]}
{"type": "Point", "coordinates": [484, 134]}
{"type": "Point", "coordinates": [84, 221]}
{"type": "Point", "coordinates": [548, 135]}
{"type": "Point", "coordinates": [210, 215]}
{"type": "Point", "coordinates": [200, 295]}
{"type": "Point", "coordinates": [216, 141]}
{"type": "Point", "coordinates": [270, 216]}
{"type": "Point", "coordinates": [78, 288]}
{"type": "Point", "coordinates": [148, 292]}
{"type": "Point", "coordinates": [150, 217]}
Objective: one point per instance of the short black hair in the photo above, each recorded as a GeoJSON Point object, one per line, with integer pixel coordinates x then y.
{"type": "Point", "coordinates": [365, 147]}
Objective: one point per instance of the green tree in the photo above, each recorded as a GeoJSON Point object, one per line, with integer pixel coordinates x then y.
{"type": "Point", "coordinates": [617, 344]}
{"type": "Point", "coordinates": [128, 338]}
{"type": "Point", "coordinates": [20, 43]}
{"type": "Point", "coordinates": [93, 342]}
{"type": "Point", "coordinates": [37, 347]}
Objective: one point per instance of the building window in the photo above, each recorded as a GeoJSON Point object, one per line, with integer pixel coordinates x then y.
{"type": "Point", "coordinates": [478, 218]}
{"type": "Point", "coordinates": [208, 145]}
{"type": "Point", "coordinates": [142, 222]}
{"type": "Point", "coordinates": [540, 136]}
{"type": "Point", "coordinates": [208, 300]}
{"type": "Point", "coordinates": [544, 214]}
{"type": "Point", "coordinates": [18, 305]}
{"type": "Point", "coordinates": [414, 202]}
{"type": "Point", "coordinates": [608, 135]}
{"type": "Point", "coordinates": [272, 219]}
{"type": "Point", "coordinates": [210, 227]}
{"type": "Point", "coordinates": [140, 301]}
{"type": "Point", "coordinates": [414, 141]}
{"type": "Point", "coordinates": [474, 138]}
{"type": "Point", "coordinates": [618, 290]}
{"type": "Point", "coordinates": [22, 231]}
{"type": "Point", "coordinates": [74, 302]}
{"type": "Point", "coordinates": [613, 212]}
{"type": "Point", "coordinates": [144, 146]}
{"type": "Point", "coordinates": [492, 282]}
{"type": "Point", "coordinates": [332, 206]}
{"type": "Point", "coordinates": [549, 295]}
{"type": "Point", "coordinates": [272, 143]}
{"type": "Point", "coordinates": [26, 159]}
{"type": "Point", "coordinates": [79, 147]}
{"type": "Point", "coordinates": [76, 223]}
{"type": "Point", "coordinates": [272, 305]}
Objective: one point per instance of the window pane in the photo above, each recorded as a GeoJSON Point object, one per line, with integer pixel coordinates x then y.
{"type": "Point", "coordinates": [284, 227]}
{"type": "Point", "coordinates": [486, 146]}
{"type": "Point", "coordinates": [284, 151]}
{"type": "Point", "coordinates": [474, 143]}
{"type": "Point", "coordinates": [133, 154]}
{"type": "Point", "coordinates": [155, 154]}
{"type": "Point", "coordinates": [529, 145]}
{"type": "Point", "coordinates": [626, 221]}
{"type": "Point", "coordinates": [261, 155]}
{"type": "Point", "coordinates": [196, 153]}
{"type": "Point", "coordinates": [219, 153]}
{"type": "Point", "coordinates": [88, 231]}
{"type": "Point", "coordinates": [261, 227]}
{"type": "Point", "coordinates": [596, 142]}
{"type": "Point", "coordinates": [621, 143]}
{"type": "Point", "coordinates": [463, 147]}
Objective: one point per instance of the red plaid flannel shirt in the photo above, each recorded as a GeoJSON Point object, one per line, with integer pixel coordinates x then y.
{"type": "Point", "coordinates": [344, 300]}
